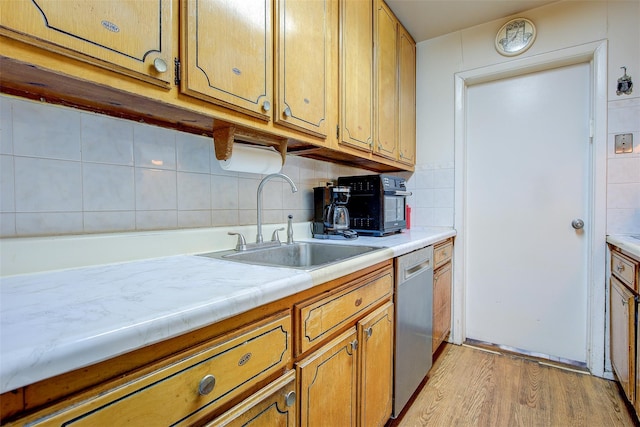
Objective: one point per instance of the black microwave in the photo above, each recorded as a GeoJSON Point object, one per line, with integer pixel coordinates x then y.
{"type": "Point", "coordinates": [378, 203]}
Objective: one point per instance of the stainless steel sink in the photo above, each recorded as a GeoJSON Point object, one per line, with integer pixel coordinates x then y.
{"type": "Point", "coordinates": [300, 255]}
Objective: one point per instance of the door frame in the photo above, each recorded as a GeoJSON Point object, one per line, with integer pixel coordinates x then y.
{"type": "Point", "coordinates": [595, 54]}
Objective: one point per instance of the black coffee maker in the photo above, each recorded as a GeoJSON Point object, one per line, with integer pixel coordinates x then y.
{"type": "Point", "coordinates": [330, 215]}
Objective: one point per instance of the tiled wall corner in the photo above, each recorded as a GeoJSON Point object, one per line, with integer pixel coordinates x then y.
{"type": "Point", "coordinates": [66, 171]}
{"type": "Point", "coordinates": [623, 170]}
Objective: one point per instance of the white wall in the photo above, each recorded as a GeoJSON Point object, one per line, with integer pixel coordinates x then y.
{"type": "Point", "coordinates": [65, 171]}
{"type": "Point", "coordinates": [559, 25]}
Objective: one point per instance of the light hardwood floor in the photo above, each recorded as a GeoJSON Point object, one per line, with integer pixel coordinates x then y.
{"type": "Point", "coordinates": [468, 386]}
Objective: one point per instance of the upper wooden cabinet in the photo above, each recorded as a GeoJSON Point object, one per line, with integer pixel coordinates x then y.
{"type": "Point", "coordinates": [319, 78]}
{"type": "Point", "coordinates": [356, 73]}
{"type": "Point", "coordinates": [406, 98]}
{"type": "Point", "coordinates": [386, 81]}
{"type": "Point", "coordinates": [227, 52]}
{"type": "Point", "coordinates": [128, 36]}
{"type": "Point", "coordinates": [306, 34]}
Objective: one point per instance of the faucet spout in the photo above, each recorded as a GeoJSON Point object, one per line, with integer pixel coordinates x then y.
{"type": "Point", "coordinates": [259, 238]}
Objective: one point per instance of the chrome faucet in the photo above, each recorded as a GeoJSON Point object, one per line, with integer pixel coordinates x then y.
{"type": "Point", "coordinates": [259, 238]}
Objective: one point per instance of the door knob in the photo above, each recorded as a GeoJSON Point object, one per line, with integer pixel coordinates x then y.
{"type": "Point", "coordinates": [577, 224]}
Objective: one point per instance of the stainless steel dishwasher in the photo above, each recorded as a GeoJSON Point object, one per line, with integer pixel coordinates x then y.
{"type": "Point", "coordinates": [414, 324]}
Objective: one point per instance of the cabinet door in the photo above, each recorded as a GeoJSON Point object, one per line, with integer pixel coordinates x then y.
{"type": "Point", "coordinates": [227, 53]}
{"type": "Point", "coordinates": [328, 386]}
{"type": "Point", "coordinates": [304, 44]}
{"type": "Point", "coordinates": [356, 73]}
{"type": "Point", "coordinates": [375, 335]}
{"type": "Point", "coordinates": [441, 305]}
{"type": "Point", "coordinates": [273, 406]}
{"type": "Point", "coordinates": [386, 81]}
{"type": "Point", "coordinates": [129, 36]}
{"type": "Point", "coordinates": [622, 325]}
{"type": "Point", "coordinates": [406, 98]}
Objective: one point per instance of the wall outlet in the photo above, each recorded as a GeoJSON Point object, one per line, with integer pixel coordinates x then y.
{"type": "Point", "coordinates": [624, 143]}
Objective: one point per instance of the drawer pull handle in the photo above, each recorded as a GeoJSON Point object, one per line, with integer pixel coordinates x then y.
{"type": "Point", "coordinates": [206, 385]}
{"type": "Point", "coordinates": [620, 268]}
{"type": "Point", "coordinates": [290, 398]}
{"type": "Point", "coordinates": [244, 359]}
{"type": "Point", "coordinates": [358, 302]}
{"type": "Point", "coordinates": [368, 332]}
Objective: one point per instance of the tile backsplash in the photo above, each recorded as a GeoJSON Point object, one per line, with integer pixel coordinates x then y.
{"type": "Point", "coordinates": [67, 171]}
{"type": "Point", "coordinates": [623, 170]}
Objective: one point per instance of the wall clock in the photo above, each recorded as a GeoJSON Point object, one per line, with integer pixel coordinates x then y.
{"type": "Point", "coordinates": [515, 37]}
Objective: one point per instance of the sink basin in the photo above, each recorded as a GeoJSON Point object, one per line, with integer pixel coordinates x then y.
{"type": "Point", "coordinates": [301, 255]}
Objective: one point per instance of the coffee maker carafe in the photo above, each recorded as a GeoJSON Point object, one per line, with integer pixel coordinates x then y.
{"type": "Point", "coordinates": [331, 216]}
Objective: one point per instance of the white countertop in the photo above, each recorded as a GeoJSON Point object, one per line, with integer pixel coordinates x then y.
{"type": "Point", "coordinates": [626, 242]}
{"type": "Point", "coordinates": [55, 322]}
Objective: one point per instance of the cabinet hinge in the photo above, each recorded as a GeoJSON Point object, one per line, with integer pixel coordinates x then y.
{"type": "Point", "coordinates": [176, 79]}
{"type": "Point", "coordinates": [337, 131]}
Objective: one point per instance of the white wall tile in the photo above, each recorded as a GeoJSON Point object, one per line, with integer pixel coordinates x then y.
{"type": "Point", "coordinates": [225, 192]}
{"type": "Point", "coordinates": [623, 196]}
{"type": "Point", "coordinates": [48, 223]}
{"type": "Point", "coordinates": [223, 217]}
{"type": "Point", "coordinates": [108, 187]}
{"type": "Point", "coordinates": [101, 222]}
{"type": "Point", "coordinates": [247, 193]}
{"type": "Point", "coordinates": [106, 140]}
{"type": "Point", "coordinates": [44, 185]}
{"type": "Point", "coordinates": [623, 170]}
{"type": "Point", "coordinates": [8, 224]}
{"type": "Point", "coordinates": [156, 220]}
{"type": "Point", "coordinates": [155, 189]}
{"type": "Point", "coordinates": [195, 218]}
{"type": "Point", "coordinates": [194, 191]}
{"type": "Point", "coordinates": [47, 131]}
{"type": "Point", "coordinates": [154, 147]}
{"type": "Point", "coordinates": [193, 153]}
{"type": "Point", "coordinates": [6, 125]}
{"type": "Point", "coordinates": [7, 185]}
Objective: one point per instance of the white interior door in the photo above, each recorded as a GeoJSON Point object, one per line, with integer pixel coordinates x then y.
{"type": "Point", "coordinates": [527, 160]}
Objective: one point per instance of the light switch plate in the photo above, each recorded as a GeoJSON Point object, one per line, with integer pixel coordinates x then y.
{"type": "Point", "coordinates": [624, 143]}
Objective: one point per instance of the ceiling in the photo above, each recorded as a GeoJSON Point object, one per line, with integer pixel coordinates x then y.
{"type": "Point", "coordinates": [426, 19]}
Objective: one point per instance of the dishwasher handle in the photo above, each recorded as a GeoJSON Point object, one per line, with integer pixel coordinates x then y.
{"type": "Point", "coordinates": [424, 265]}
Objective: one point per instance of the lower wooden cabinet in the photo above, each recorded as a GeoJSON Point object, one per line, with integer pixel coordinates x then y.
{"type": "Point", "coordinates": [442, 284]}
{"type": "Point", "coordinates": [375, 335]}
{"type": "Point", "coordinates": [348, 381]}
{"type": "Point", "coordinates": [273, 406]}
{"type": "Point", "coordinates": [327, 382]}
{"type": "Point", "coordinates": [624, 325]}
{"type": "Point", "coordinates": [623, 336]}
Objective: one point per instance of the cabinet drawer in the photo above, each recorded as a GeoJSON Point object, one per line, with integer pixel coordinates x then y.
{"type": "Point", "coordinates": [320, 317]}
{"type": "Point", "coordinates": [274, 405]}
{"type": "Point", "coordinates": [183, 391]}
{"type": "Point", "coordinates": [625, 269]}
{"type": "Point", "coordinates": [442, 253]}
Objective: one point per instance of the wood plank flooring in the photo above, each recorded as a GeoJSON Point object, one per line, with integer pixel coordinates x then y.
{"type": "Point", "coordinates": [468, 386]}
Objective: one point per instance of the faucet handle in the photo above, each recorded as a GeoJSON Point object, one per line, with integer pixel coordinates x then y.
{"type": "Point", "coordinates": [274, 236]}
{"type": "Point", "coordinates": [241, 245]}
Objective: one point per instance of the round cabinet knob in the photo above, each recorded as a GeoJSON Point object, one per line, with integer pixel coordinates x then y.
{"type": "Point", "coordinates": [160, 65]}
{"type": "Point", "coordinates": [577, 224]}
{"type": "Point", "coordinates": [290, 398]}
{"type": "Point", "coordinates": [368, 332]}
{"type": "Point", "coordinates": [287, 112]}
{"type": "Point", "coordinates": [206, 385]}
{"type": "Point", "coordinates": [266, 106]}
